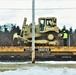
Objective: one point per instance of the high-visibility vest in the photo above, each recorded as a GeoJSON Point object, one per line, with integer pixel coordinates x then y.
{"type": "Point", "coordinates": [65, 36]}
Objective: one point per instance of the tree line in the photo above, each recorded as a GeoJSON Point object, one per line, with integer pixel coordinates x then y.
{"type": "Point", "coordinates": [6, 34]}
{"type": "Point", "coordinates": [71, 35]}
{"type": "Point", "coordinates": [7, 31]}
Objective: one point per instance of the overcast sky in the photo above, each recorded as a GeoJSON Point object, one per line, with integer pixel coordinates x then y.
{"type": "Point", "coordinates": [14, 11]}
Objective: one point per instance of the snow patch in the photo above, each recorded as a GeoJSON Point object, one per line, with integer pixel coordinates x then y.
{"type": "Point", "coordinates": [36, 70]}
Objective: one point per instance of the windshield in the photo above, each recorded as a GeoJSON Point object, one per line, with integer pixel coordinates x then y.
{"type": "Point", "coordinates": [42, 23]}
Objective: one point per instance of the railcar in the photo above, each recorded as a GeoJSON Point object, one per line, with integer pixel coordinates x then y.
{"type": "Point", "coordinates": [48, 43]}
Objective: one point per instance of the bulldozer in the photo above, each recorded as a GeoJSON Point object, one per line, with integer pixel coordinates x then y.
{"type": "Point", "coordinates": [46, 32]}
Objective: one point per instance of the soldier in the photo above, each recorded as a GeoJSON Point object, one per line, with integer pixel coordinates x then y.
{"type": "Point", "coordinates": [65, 37]}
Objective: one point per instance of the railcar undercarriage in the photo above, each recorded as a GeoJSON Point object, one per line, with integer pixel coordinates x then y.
{"type": "Point", "coordinates": [42, 53]}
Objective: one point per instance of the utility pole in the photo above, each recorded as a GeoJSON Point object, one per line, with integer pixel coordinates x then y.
{"type": "Point", "coordinates": [33, 31]}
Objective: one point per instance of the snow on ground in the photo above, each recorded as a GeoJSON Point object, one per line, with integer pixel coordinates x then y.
{"type": "Point", "coordinates": [40, 68]}
{"type": "Point", "coordinates": [46, 62]}
{"type": "Point", "coordinates": [58, 62]}
{"type": "Point", "coordinates": [36, 70]}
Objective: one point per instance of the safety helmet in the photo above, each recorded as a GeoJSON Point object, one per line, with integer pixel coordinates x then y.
{"type": "Point", "coordinates": [64, 31]}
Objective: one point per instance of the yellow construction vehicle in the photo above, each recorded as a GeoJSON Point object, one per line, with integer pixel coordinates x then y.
{"type": "Point", "coordinates": [46, 32]}
{"type": "Point", "coordinates": [47, 43]}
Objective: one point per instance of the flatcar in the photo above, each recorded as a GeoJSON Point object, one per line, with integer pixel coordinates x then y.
{"type": "Point", "coordinates": [48, 43]}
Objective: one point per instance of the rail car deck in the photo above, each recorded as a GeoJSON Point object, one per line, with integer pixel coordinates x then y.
{"type": "Point", "coordinates": [41, 53]}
